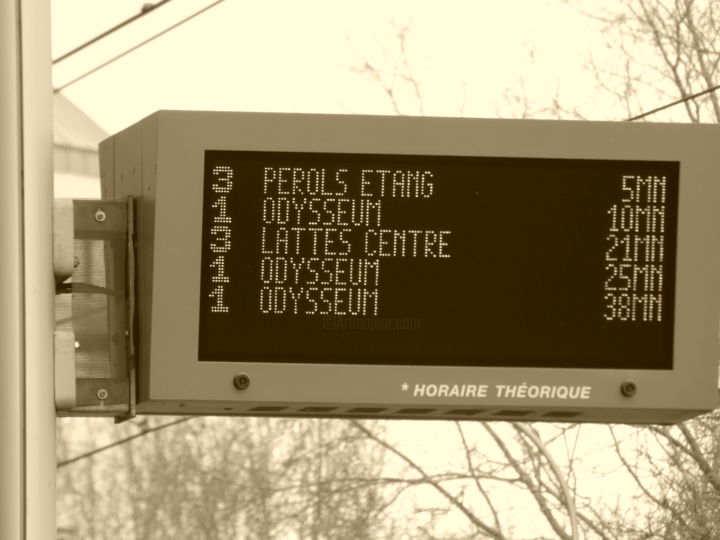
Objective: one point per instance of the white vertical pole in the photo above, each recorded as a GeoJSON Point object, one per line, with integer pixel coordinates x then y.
{"type": "Point", "coordinates": [12, 463]}
{"type": "Point", "coordinates": [37, 140]}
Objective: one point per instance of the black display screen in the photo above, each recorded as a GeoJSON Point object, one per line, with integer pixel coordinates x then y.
{"type": "Point", "coordinates": [437, 260]}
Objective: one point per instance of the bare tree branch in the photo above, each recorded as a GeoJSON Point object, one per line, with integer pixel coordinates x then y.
{"type": "Point", "coordinates": [481, 525]}
{"type": "Point", "coordinates": [476, 479]}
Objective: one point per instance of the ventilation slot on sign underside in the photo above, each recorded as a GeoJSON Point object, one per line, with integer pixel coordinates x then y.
{"type": "Point", "coordinates": [512, 413]}
{"type": "Point", "coordinates": [317, 409]}
{"type": "Point", "coordinates": [366, 410]}
{"type": "Point", "coordinates": [561, 414]}
{"type": "Point", "coordinates": [464, 412]}
{"type": "Point", "coordinates": [266, 408]}
{"type": "Point", "coordinates": [415, 411]}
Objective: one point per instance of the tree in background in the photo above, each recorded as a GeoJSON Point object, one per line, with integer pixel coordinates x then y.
{"type": "Point", "coordinates": [665, 51]}
{"type": "Point", "coordinates": [226, 478]}
{"type": "Point", "coordinates": [670, 51]}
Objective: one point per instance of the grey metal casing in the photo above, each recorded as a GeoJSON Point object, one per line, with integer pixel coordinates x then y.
{"type": "Point", "coordinates": [159, 161]}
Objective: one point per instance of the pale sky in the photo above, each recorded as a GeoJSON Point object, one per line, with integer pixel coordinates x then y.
{"type": "Point", "coordinates": [299, 56]}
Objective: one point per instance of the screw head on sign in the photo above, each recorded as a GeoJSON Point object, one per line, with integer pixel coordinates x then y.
{"type": "Point", "coordinates": [100, 215]}
{"type": "Point", "coordinates": [628, 389]}
{"type": "Point", "coordinates": [102, 394]}
{"type": "Point", "coordinates": [241, 381]}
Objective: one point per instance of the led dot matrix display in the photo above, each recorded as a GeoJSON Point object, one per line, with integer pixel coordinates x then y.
{"type": "Point", "coordinates": [495, 261]}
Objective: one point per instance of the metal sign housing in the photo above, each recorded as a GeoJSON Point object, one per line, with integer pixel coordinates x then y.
{"type": "Point", "coordinates": [422, 267]}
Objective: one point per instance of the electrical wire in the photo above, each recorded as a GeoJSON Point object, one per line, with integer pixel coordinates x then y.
{"type": "Point", "coordinates": [122, 441]}
{"type": "Point", "coordinates": [135, 47]}
{"type": "Point", "coordinates": [676, 102]}
{"type": "Point", "coordinates": [152, 7]}
{"type": "Point", "coordinates": [147, 8]}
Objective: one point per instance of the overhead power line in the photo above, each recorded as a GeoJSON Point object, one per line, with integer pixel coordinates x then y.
{"type": "Point", "coordinates": [676, 102]}
{"type": "Point", "coordinates": [135, 47]}
{"type": "Point", "coordinates": [147, 8]}
{"type": "Point", "coordinates": [122, 441]}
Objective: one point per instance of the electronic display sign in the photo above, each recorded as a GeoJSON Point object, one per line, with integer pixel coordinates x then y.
{"type": "Point", "coordinates": [468, 261]}
{"type": "Point", "coordinates": [437, 268]}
